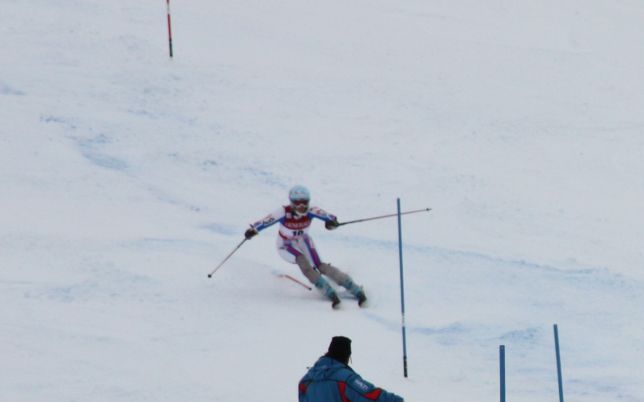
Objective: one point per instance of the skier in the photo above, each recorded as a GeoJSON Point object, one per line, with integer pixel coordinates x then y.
{"type": "Point", "coordinates": [297, 247]}
{"type": "Point", "coordinates": [332, 380]}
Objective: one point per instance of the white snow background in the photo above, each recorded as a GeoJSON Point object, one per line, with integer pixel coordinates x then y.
{"type": "Point", "coordinates": [127, 176]}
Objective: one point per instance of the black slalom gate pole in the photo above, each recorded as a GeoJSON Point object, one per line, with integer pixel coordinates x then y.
{"type": "Point", "coordinates": [559, 377]}
{"type": "Point", "coordinates": [402, 290]}
{"type": "Point", "coordinates": [502, 372]}
{"type": "Point", "coordinates": [169, 27]}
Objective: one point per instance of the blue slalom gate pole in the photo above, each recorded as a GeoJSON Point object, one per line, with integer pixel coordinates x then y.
{"type": "Point", "coordinates": [559, 379]}
{"type": "Point", "coordinates": [402, 290]}
{"type": "Point", "coordinates": [502, 371]}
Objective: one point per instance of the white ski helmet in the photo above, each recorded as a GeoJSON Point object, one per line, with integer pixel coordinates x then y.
{"type": "Point", "coordinates": [299, 193]}
{"type": "Point", "coordinates": [299, 197]}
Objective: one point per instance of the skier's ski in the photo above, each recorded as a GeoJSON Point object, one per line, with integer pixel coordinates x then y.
{"type": "Point", "coordinates": [292, 279]}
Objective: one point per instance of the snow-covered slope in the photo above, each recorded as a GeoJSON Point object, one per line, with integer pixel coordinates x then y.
{"type": "Point", "coordinates": [128, 176]}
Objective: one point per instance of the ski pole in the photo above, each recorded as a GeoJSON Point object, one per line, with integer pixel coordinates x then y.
{"type": "Point", "coordinates": [385, 216]}
{"type": "Point", "coordinates": [227, 257]}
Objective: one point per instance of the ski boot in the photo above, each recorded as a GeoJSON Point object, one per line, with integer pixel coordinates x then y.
{"type": "Point", "coordinates": [335, 301]}
{"type": "Point", "coordinates": [362, 298]}
{"type": "Point", "coordinates": [328, 291]}
{"type": "Point", "coordinates": [355, 290]}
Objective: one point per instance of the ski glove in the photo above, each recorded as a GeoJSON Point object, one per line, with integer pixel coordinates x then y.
{"type": "Point", "coordinates": [330, 225]}
{"type": "Point", "coordinates": [250, 233]}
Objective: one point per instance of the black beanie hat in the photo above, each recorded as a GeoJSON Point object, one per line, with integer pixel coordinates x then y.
{"type": "Point", "coordinates": [340, 349]}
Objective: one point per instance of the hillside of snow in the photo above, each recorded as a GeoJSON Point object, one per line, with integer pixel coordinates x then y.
{"type": "Point", "coordinates": [127, 176]}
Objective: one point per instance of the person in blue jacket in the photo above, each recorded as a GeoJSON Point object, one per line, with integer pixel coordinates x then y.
{"type": "Point", "coordinates": [332, 380]}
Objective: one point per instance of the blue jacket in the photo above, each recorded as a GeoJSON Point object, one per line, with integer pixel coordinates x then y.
{"type": "Point", "coordinates": [332, 381]}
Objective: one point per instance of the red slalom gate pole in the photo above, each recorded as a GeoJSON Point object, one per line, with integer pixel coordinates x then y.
{"type": "Point", "coordinates": [169, 27]}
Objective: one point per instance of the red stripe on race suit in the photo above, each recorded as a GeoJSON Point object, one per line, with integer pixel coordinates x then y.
{"type": "Point", "coordinates": [302, 388]}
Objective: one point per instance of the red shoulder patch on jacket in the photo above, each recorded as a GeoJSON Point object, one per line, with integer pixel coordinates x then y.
{"type": "Point", "coordinates": [373, 395]}
{"type": "Point", "coordinates": [343, 389]}
{"type": "Point", "coordinates": [302, 388]}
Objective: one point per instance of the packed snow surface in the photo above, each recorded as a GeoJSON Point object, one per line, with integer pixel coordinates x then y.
{"type": "Point", "coordinates": [128, 176]}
